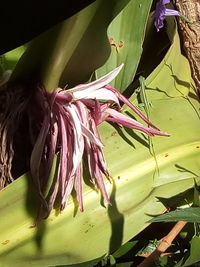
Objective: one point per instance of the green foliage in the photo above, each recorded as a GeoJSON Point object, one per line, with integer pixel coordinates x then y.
{"type": "Point", "coordinates": [191, 214]}
{"type": "Point", "coordinates": [124, 249]}
{"type": "Point", "coordinates": [70, 52]}
{"type": "Point", "coordinates": [194, 252]}
{"type": "Point", "coordinates": [139, 178]}
{"type": "Point", "coordinates": [84, 264]}
{"type": "Point", "coordinates": [126, 33]}
{"type": "Point", "coordinates": [11, 58]}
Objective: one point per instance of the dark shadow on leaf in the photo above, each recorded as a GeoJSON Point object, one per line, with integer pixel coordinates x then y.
{"type": "Point", "coordinates": [102, 201]}
{"type": "Point", "coordinates": [177, 200]}
{"type": "Point", "coordinates": [86, 174]}
{"type": "Point", "coordinates": [117, 222]}
{"type": "Point", "coordinates": [120, 132]}
{"type": "Point", "coordinates": [136, 137]}
{"type": "Point", "coordinates": [193, 96]}
{"type": "Point", "coordinates": [32, 204]}
{"type": "Point", "coordinates": [181, 82]}
{"type": "Point", "coordinates": [178, 81]}
{"type": "Point", "coordinates": [160, 91]}
{"type": "Point", "coordinates": [173, 202]}
{"type": "Point", "coordinates": [131, 133]}
{"type": "Point", "coordinates": [75, 201]}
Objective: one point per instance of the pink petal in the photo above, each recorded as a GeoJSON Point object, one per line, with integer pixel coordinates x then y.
{"type": "Point", "coordinates": [119, 118]}
{"type": "Point", "coordinates": [79, 187]}
{"type": "Point", "coordinates": [128, 103]}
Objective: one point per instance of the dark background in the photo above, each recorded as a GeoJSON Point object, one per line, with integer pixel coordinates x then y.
{"type": "Point", "coordinates": [21, 21]}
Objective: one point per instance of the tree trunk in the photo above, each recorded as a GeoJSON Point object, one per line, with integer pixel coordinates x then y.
{"type": "Point", "coordinates": [190, 32]}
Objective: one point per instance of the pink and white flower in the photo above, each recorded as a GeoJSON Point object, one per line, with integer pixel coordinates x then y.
{"type": "Point", "coordinates": [70, 128]}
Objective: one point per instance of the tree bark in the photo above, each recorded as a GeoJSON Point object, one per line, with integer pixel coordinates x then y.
{"type": "Point", "coordinates": [190, 32]}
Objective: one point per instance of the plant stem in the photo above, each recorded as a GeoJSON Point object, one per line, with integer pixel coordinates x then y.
{"type": "Point", "coordinates": [164, 245]}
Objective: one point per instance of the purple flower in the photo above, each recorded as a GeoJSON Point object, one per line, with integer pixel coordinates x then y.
{"type": "Point", "coordinates": [161, 12]}
{"type": "Point", "coordinates": [69, 127]}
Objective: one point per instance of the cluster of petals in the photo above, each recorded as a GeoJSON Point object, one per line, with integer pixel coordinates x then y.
{"type": "Point", "coordinates": [69, 132]}
{"type": "Point", "coordinates": [162, 12]}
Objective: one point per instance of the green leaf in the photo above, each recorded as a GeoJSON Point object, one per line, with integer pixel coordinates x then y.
{"type": "Point", "coordinates": [196, 200]}
{"type": "Point", "coordinates": [163, 260]}
{"type": "Point", "coordinates": [11, 58]}
{"type": "Point", "coordinates": [136, 184]}
{"type": "Point", "coordinates": [93, 49]}
{"type": "Point", "coordinates": [124, 249]}
{"type": "Point", "coordinates": [70, 52]}
{"type": "Point", "coordinates": [127, 33]}
{"type": "Point", "coordinates": [191, 214]}
{"type": "Point", "coordinates": [124, 264]}
{"type": "Point", "coordinates": [194, 252]}
{"type": "Point", "coordinates": [176, 74]}
{"type": "Point", "coordinates": [112, 260]}
{"type": "Point", "coordinates": [83, 264]}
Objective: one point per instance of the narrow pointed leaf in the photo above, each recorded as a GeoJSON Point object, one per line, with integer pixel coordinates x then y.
{"type": "Point", "coordinates": [191, 214]}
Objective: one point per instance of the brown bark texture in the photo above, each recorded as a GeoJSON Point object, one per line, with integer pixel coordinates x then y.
{"type": "Point", "coordinates": [190, 32]}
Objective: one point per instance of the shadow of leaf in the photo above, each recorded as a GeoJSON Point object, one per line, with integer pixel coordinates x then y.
{"type": "Point", "coordinates": [117, 222]}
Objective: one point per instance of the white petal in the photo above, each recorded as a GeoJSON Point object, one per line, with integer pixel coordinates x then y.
{"type": "Point", "coordinates": [78, 136]}
{"type": "Point", "coordinates": [87, 133]}
{"type": "Point", "coordinates": [100, 94]}
{"type": "Point", "coordinates": [101, 82]}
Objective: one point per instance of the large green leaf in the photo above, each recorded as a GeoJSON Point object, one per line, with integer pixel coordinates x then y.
{"type": "Point", "coordinates": [10, 59]}
{"type": "Point", "coordinates": [93, 49]}
{"type": "Point", "coordinates": [194, 252]}
{"type": "Point", "coordinates": [124, 249]}
{"type": "Point", "coordinates": [70, 52]}
{"type": "Point", "coordinates": [75, 237]}
{"type": "Point", "coordinates": [126, 33]}
{"type": "Point", "coordinates": [191, 214]}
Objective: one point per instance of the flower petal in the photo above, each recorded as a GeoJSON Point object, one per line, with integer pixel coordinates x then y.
{"type": "Point", "coordinates": [171, 12]}
{"type": "Point", "coordinates": [118, 117]}
{"type": "Point", "coordinates": [134, 108]}
{"type": "Point", "coordinates": [78, 137]}
{"type": "Point", "coordinates": [164, 2]}
{"type": "Point", "coordinates": [79, 187]}
{"type": "Point", "coordinates": [82, 90]}
{"type": "Point", "coordinates": [100, 94]}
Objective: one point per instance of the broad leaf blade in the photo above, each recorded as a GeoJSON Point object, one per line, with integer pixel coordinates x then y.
{"type": "Point", "coordinates": [93, 49]}
{"type": "Point", "coordinates": [124, 249]}
{"type": "Point", "coordinates": [127, 32]}
{"type": "Point", "coordinates": [194, 252]}
{"type": "Point", "coordinates": [191, 214]}
{"type": "Point", "coordinates": [134, 192]}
